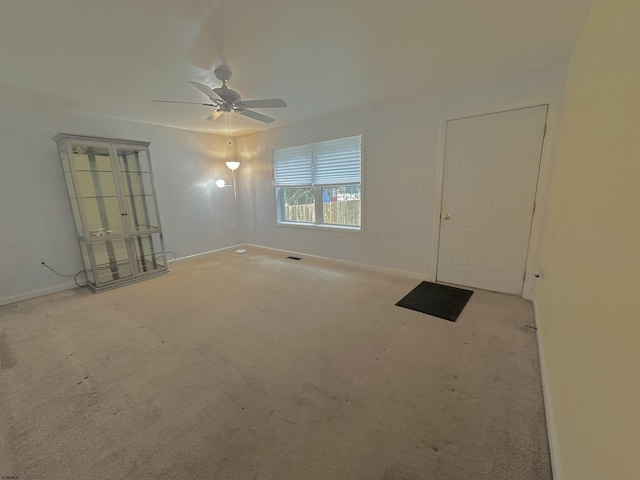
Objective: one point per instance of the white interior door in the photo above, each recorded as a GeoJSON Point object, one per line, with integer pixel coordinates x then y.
{"type": "Point", "coordinates": [490, 179]}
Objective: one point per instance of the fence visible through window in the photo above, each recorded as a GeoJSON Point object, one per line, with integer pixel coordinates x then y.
{"type": "Point", "coordinates": [337, 213]}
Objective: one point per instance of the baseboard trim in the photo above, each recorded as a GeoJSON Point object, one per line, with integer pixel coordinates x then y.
{"type": "Point", "coordinates": [363, 266]}
{"type": "Point", "coordinates": [202, 254]}
{"type": "Point", "coordinates": [548, 410]}
{"type": "Point", "coordinates": [37, 293]}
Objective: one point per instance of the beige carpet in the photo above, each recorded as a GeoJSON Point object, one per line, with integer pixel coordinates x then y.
{"type": "Point", "coordinates": [254, 366]}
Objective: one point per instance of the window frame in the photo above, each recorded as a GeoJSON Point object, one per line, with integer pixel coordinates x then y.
{"type": "Point", "coordinates": [317, 194]}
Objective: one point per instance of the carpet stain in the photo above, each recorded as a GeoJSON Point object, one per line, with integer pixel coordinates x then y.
{"type": "Point", "coordinates": [7, 357]}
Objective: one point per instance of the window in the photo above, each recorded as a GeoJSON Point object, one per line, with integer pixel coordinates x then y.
{"type": "Point", "coordinates": [320, 183]}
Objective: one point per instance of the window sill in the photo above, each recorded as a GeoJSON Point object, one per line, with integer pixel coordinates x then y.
{"type": "Point", "coordinates": [319, 226]}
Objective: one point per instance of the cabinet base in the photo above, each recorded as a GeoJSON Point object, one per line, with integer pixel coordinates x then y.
{"type": "Point", "coordinates": [128, 281]}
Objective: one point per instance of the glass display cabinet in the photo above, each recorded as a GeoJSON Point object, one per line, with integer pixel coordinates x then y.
{"type": "Point", "coordinates": [113, 201]}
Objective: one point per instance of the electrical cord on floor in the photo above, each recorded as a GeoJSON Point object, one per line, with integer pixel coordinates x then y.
{"type": "Point", "coordinates": [75, 277]}
{"type": "Point", "coordinates": [169, 262]}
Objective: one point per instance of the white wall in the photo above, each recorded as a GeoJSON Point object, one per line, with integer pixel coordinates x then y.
{"type": "Point", "coordinates": [401, 151]}
{"type": "Point", "coordinates": [588, 302]}
{"type": "Point", "coordinates": [35, 216]}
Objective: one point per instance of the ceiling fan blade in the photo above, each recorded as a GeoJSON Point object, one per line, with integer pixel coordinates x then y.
{"type": "Point", "coordinates": [193, 103]}
{"type": "Point", "coordinates": [256, 116]}
{"type": "Point", "coordinates": [265, 103]}
{"type": "Point", "coordinates": [212, 115]}
{"type": "Point", "coordinates": [206, 90]}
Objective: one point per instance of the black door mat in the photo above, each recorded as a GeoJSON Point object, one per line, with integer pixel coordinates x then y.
{"type": "Point", "coordinates": [438, 300]}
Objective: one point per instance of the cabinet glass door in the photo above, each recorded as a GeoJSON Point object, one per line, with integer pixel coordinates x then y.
{"type": "Point", "coordinates": [103, 214]}
{"type": "Point", "coordinates": [112, 260]}
{"type": "Point", "coordinates": [137, 184]}
{"type": "Point", "coordinates": [149, 252]}
{"type": "Point", "coordinates": [97, 190]}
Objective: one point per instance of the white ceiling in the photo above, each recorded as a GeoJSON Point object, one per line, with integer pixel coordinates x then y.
{"type": "Point", "coordinates": [110, 57]}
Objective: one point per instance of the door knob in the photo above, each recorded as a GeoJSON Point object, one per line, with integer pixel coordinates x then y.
{"type": "Point", "coordinates": [446, 217]}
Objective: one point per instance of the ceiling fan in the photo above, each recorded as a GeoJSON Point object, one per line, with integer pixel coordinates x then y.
{"type": "Point", "coordinates": [225, 100]}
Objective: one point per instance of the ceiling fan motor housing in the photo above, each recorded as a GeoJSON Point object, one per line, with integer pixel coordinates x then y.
{"type": "Point", "coordinates": [226, 94]}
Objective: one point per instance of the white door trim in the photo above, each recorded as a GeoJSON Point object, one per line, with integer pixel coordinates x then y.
{"type": "Point", "coordinates": [542, 180]}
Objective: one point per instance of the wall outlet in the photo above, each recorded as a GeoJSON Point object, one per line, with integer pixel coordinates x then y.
{"type": "Point", "coordinates": [41, 261]}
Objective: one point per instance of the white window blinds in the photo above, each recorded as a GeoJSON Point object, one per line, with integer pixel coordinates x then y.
{"type": "Point", "coordinates": [323, 163]}
{"type": "Point", "coordinates": [293, 166]}
{"type": "Point", "coordinates": [337, 161]}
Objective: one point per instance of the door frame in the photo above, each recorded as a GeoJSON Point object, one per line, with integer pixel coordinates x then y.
{"type": "Point", "coordinates": [541, 189]}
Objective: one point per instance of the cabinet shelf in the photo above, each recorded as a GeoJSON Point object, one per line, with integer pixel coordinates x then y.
{"type": "Point", "coordinates": [99, 196]}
